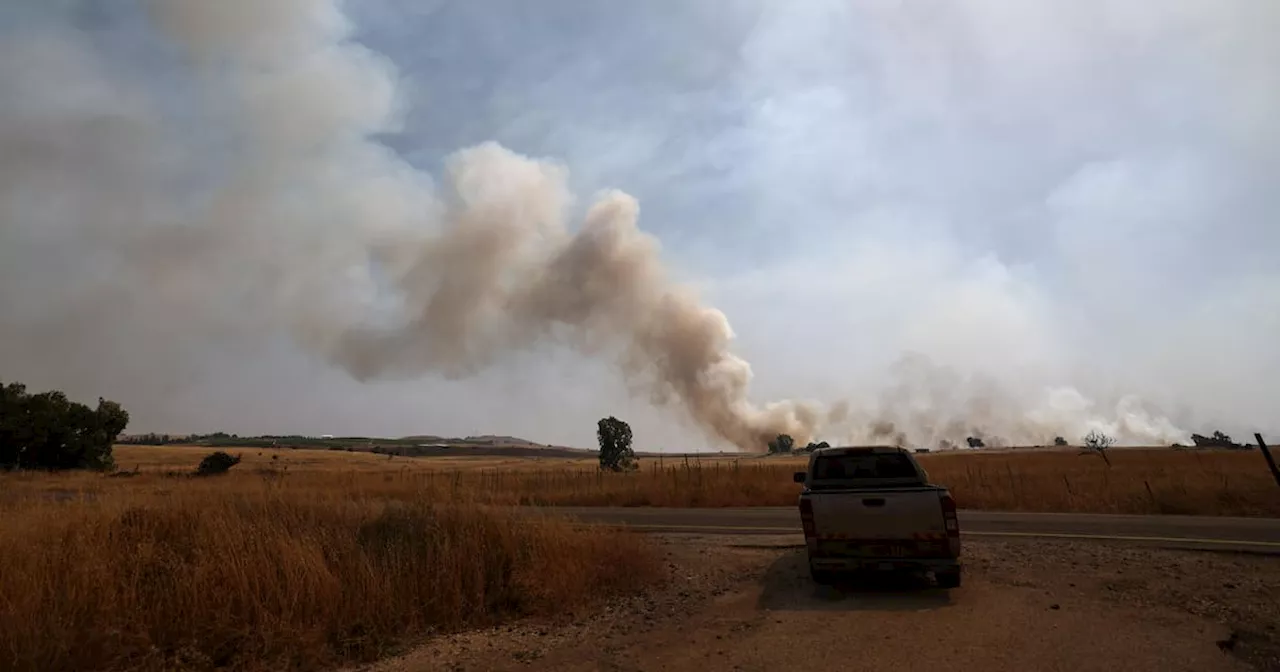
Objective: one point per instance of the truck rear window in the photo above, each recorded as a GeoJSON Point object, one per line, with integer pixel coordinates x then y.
{"type": "Point", "coordinates": [860, 466]}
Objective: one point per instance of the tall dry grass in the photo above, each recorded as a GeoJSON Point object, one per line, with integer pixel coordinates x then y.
{"type": "Point", "coordinates": [246, 574]}
{"type": "Point", "coordinates": [1137, 481]}
{"type": "Point", "coordinates": [1156, 481]}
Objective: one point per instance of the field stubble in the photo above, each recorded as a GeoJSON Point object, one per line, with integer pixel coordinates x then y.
{"type": "Point", "coordinates": [242, 574]}
{"type": "Point", "coordinates": [1137, 481]}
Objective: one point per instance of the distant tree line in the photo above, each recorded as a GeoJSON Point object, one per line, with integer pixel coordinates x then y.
{"type": "Point", "coordinates": [783, 444]}
{"type": "Point", "coordinates": [151, 439]}
{"type": "Point", "coordinates": [154, 439]}
{"type": "Point", "coordinates": [47, 431]}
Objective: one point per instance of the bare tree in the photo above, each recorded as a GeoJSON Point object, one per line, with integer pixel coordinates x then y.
{"type": "Point", "coordinates": [1097, 442]}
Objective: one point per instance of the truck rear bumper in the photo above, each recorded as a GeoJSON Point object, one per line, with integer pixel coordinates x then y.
{"type": "Point", "coordinates": [853, 564]}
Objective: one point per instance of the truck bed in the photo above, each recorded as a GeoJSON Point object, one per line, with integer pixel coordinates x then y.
{"type": "Point", "coordinates": [895, 522]}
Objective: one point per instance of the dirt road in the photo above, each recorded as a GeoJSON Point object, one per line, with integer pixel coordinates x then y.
{"type": "Point", "coordinates": [746, 603]}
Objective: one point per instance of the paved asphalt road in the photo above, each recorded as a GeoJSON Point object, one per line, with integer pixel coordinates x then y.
{"type": "Point", "coordinates": [1258, 535]}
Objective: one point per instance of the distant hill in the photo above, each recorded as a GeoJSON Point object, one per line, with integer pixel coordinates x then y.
{"type": "Point", "coordinates": [421, 445]}
{"type": "Point", "coordinates": [487, 439]}
{"type": "Point", "coordinates": [488, 445]}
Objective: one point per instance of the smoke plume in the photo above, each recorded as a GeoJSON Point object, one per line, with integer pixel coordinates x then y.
{"type": "Point", "coordinates": [506, 273]}
{"type": "Point", "coordinates": [312, 223]}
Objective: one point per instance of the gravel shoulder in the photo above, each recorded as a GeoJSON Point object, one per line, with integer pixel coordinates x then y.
{"type": "Point", "coordinates": [747, 604]}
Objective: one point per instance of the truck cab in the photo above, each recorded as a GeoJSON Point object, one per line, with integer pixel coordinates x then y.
{"type": "Point", "coordinates": [873, 508]}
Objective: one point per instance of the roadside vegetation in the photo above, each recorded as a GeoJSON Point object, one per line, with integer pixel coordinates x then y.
{"type": "Point", "coordinates": [217, 567]}
{"type": "Point", "coordinates": [241, 574]}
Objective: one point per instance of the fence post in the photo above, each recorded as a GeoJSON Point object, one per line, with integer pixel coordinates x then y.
{"type": "Point", "coordinates": [1266, 452]}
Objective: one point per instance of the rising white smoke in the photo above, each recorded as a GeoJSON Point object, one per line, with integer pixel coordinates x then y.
{"type": "Point", "coordinates": [930, 405]}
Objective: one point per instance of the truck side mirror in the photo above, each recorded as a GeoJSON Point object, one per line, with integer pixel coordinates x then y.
{"type": "Point", "coordinates": [798, 477]}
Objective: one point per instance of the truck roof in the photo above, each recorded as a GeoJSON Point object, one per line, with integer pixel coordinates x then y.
{"type": "Point", "coordinates": [862, 466]}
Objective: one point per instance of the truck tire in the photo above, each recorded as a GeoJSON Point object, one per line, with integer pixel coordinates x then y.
{"type": "Point", "coordinates": [948, 578]}
{"type": "Point", "coordinates": [822, 577]}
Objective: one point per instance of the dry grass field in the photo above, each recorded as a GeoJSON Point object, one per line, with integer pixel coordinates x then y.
{"type": "Point", "coordinates": [241, 573]}
{"type": "Point", "coordinates": [302, 558]}
{"type": "Point", "coordinates": [1139, 481]}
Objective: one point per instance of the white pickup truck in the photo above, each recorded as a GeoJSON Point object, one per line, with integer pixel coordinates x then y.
{"type": "Point", "coordinates": [873, 508]}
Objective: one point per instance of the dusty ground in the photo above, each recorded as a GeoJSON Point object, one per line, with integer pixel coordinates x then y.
{"type": "Point", "coordinates": [736, 605]}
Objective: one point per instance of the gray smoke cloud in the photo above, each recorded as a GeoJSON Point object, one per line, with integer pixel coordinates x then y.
{"type": "Point", "coordinates": [134, 251]}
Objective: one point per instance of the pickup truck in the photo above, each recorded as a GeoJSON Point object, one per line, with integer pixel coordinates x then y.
{"type": "Point", "coordinates": [873, 508]}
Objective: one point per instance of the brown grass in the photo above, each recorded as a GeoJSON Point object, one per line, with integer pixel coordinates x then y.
{"type": "Point", "coordinates": [1156, 481]}
{"type": "Point", "coordinates": [1140, 481]}
{"type": "Point", "coordinates": [321, 557]}
{"type": "Point", "coordinates": [247, 573]}
{"type": "Point", "coordinates": [1137, 482]}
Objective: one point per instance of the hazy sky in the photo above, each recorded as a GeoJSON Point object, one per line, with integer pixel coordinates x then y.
{"type": "Point", "coordinates": [1053, 212]}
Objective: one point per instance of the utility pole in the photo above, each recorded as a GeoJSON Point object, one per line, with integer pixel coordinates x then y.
{"type": "Point", "coordinates": [1262, 445]}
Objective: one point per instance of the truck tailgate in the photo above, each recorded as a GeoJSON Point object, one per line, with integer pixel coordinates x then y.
{"type": "Point", "coordinates": [912, 513]}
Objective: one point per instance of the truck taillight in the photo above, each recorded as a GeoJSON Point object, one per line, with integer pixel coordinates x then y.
{"type": "Point", "coordinates": [949, 515]}
{"type": "Point", "coordinates": [806, 516]}
{"type": "Point", "coordinates": [952, 522]}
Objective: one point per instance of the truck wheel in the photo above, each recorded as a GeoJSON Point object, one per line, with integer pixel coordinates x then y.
{"type": "Point", "coordinates": [822, 577]}
{"type": "Point", "coordinates": [948, 579]}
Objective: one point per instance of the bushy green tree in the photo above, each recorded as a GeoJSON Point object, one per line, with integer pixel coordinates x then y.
{"type": "Point", "coordinates": [216, 463]}
{"type": "Point", "coordinates": [783, 443]}
{"type": "Point", "coordinates": [49, 431]}
{"type": "Point", "coordinates": [614, 436]}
